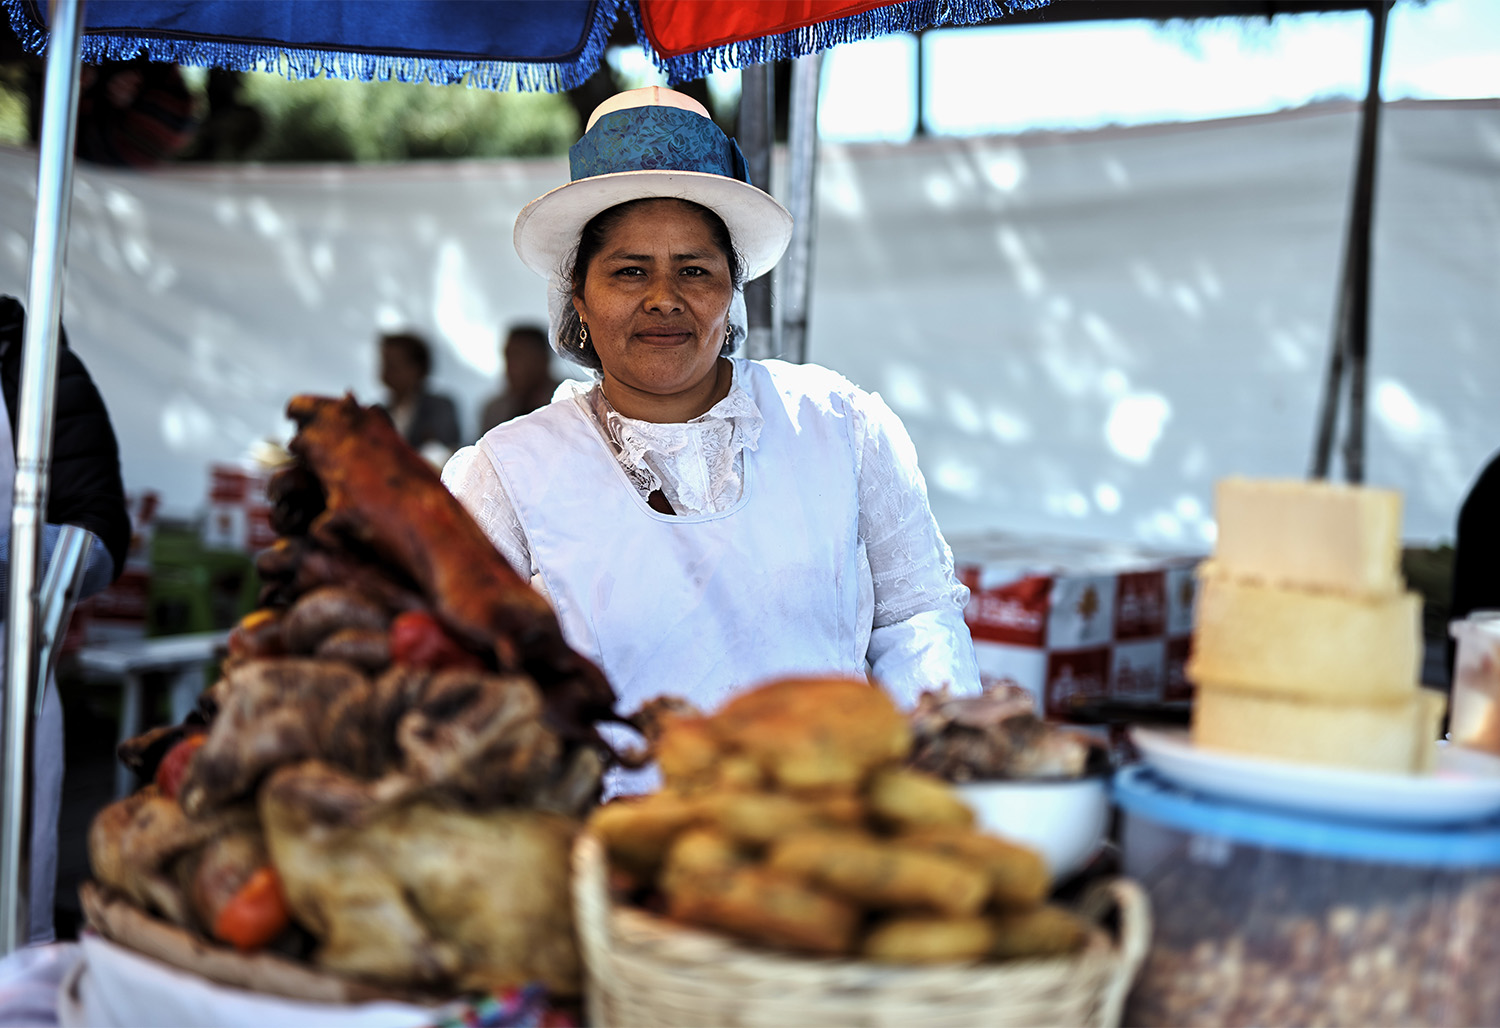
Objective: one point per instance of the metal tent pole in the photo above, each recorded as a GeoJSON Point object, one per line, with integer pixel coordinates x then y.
{"type": "Point", "coordinates": [1351, 343]}
{"type": "Point", "coordinates": [757, 137]}
{"type": "Point", "coordinates": [802, 176]}
{"type": "Point", "coordinates": [1333, 383]}
{"type": "Point", "coordinates": [1358, 347]}
{"type": "Point", "coordinates": [23, 667]}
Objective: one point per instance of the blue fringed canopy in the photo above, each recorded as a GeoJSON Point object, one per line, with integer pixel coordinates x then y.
{"type": "Point", "coordinates": [549, 45]}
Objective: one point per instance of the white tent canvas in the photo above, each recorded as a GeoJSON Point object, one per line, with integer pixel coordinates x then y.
{"type": "Point", "coordinates": [1082, 331]}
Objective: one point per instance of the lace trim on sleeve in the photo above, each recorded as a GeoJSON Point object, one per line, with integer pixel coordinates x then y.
{"type": "Point", "coordinates": [472, 479]}
{"type": "Point", "coordinates": [910, 562]}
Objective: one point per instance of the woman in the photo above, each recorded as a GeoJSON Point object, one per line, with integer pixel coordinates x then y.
{"type": "Point", "coordinates": [703, 523]}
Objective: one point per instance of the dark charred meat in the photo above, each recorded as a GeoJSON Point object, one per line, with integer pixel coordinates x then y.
{"type": "Point", "coordinates": [295, 566]}
{"type": "Point", "coordinates": [144, 752]}
{"type": "Point", "coordinates": [328, 609]}
{"type": "Point", "coordinates": [273, 712]}
{"type": "Point", "coordinates": [478, 735]}
{"type": "Point", "coordinates": [296, 498]}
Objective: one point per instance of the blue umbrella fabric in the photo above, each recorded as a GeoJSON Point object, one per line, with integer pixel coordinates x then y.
{"type": "Point", "coordinates": [535, 45]}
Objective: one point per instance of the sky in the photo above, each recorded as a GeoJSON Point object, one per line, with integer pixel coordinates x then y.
{"type": "Point", "coordinates": [998, 79]}
{"type": "Point", "coordinates": [1080, 75]}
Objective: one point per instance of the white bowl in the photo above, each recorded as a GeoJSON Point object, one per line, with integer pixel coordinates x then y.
{"type": "Point", "coordinates": [1064, 819]}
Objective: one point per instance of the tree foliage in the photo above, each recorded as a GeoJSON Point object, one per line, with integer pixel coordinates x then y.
{"type": "Point", "coordinates": [330, 120]}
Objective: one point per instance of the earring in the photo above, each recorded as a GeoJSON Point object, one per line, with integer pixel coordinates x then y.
{"type": "Point", "coordinates": [583, 335]}
{"type": "Point", "coordinates": [729, 333]}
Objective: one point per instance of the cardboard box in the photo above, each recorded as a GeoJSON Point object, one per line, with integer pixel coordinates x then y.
{"type": "Point", "coordinates": [1074, 621]}
{"type": "Point", "coordinates": [238, 515]}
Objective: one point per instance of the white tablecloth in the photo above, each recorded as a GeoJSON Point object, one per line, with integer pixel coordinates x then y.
{"type": "Point", "coordinates": [98, 984]}
{"type": "Point", "coordinates": [29, 983]}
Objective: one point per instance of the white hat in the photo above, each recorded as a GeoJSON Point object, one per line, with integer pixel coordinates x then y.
{"type": "Point", "coordinates": [645, 143]}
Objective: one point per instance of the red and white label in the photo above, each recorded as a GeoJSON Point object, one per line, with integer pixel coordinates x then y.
{"type": "Point", "coordinates": [1137, 670]}
{"type": "Point", "coordinates": [1015, 612]}
{"type": "Point", "coordinates": [1140, 604]}
{"type": "Point", "coordinates": [1082, 612]}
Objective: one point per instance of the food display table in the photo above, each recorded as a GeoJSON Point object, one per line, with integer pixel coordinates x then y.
{"type": "Point", "coordinates": [127, 662]}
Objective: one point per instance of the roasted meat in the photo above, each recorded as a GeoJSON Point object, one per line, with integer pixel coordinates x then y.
{"type": "Point", "coordinates": [135, 844]}
{"type": "Point", "coordinates": [393, 760]}
{"type": "Point", "coordinates": [475, 736]}
{"type": "Point", "coordinates": [994, 735]}
{"type": "Point", "coordinates": [274, 712]}
{"type": "Point", "coordinates": [418, 894]}
{"type": "Point", "coordinates": [479, 736]}
{"type": "Point", "coordinates": [293, 567]}
{"type": "Point", "coordinates": [383, 496]}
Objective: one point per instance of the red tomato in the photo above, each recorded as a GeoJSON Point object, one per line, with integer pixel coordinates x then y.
{"type": "Point", "coordinates": [256, 914]}
{"type": "Point", "coordinates": [419, 641]}
{"type": "Point", "coordinates": [173, 767]}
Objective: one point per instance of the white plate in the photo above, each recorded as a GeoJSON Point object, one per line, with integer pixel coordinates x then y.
{"type": "Point", "coordinates": [1465, 785]}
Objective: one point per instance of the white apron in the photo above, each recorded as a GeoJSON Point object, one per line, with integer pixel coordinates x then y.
{"type": "Point", "coordinates": [46, 747]}
{"type": "Point", "coordinates": [698, 606]}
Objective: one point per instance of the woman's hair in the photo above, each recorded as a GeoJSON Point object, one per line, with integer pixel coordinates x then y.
{"type": "Point", "coordinates": [591, 241]}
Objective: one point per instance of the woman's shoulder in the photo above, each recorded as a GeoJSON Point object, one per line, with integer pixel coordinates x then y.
{"type": "Point", "coordinates": [549, 419]}
{"type": "Point", "coordinates": [804, 379]}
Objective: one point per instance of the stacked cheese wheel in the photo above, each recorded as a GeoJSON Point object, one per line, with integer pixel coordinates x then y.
{"type": "Point", "coordinates": [1307, 644]}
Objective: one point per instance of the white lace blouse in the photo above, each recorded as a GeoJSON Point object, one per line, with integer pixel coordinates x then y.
{"type": "Point", "coordinates": [699, 467]}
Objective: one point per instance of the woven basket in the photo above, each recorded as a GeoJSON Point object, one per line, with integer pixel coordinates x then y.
{"type": "Point", "coordinates": [644, 970]}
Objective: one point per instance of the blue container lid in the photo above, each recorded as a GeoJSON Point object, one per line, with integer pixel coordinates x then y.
{"type": "Point", "coordinates": [1140, 791]}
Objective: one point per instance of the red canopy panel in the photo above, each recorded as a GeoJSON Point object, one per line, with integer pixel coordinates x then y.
{"type": "Point", "coordinates": [677, 27]}
{"type": "Point", "coordinates": [692, 38]}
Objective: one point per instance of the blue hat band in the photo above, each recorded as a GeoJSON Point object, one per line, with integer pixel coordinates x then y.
{"type": "Point", "coordinates": [656, 139]}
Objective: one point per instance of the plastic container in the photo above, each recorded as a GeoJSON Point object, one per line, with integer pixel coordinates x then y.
{"type": "Point", "coordinates": [1270, 918]}
{"type": "Point", "coordinates": [1475, 720]}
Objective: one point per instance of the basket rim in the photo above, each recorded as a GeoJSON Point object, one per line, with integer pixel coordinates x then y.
{"type": "Point", "coordinates": [620, 941]}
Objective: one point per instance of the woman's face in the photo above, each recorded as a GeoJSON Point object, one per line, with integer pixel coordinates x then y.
{"type": "Point", "coordinates": [655, 299]}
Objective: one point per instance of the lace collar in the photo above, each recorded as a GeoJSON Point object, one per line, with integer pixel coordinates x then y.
{"type": "Point", "coordinates": [699, 464]}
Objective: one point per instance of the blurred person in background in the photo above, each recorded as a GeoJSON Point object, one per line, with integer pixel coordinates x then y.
{"type": "Point", "coordinates": [427, 421]}
{"type": "Point", "coordinates": [134, 114]}
{"type": "Point", "coordinates": [1476, 551]}
{"type": "Point", "coordinates": [529, 382]}
{"type": "Point", "coordinates": [84, 489]}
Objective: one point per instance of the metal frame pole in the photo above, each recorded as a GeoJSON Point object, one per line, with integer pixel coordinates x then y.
{"type": "Point", "coordinates": [802, 178]}
{"type": "Point", "coordinates": [23, 667]}
{"type": "Point", "coordinates": [1351, 342]}
{"type": "Point", "coordinates": [1361, 233]}
{"type": "Point", "coordinates": [757, 138]}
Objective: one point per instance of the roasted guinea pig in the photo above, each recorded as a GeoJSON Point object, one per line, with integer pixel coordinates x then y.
{"type": "Point", "coordinates": [381, 494]}
{"type": "Point", "coordinates": [387, 776]}
{"type": "Point", "coordinates": [419, 894]}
